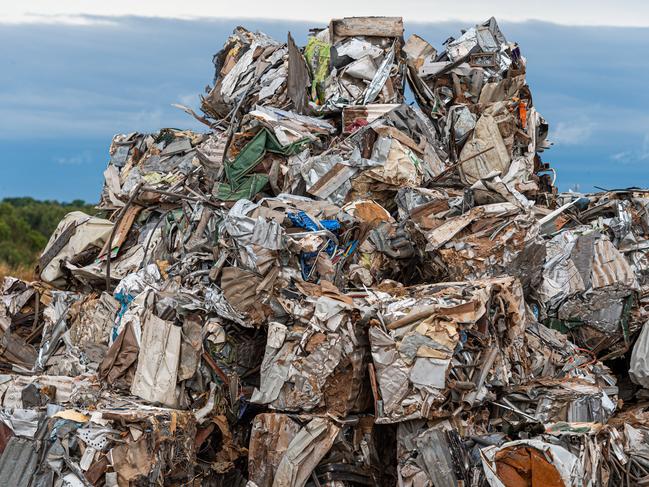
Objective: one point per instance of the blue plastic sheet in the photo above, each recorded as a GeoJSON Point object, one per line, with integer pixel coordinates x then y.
{"type": "Point", "coordinates": [124, 300]}
{"type": "Point", "coordinates": [307, 259]}
{"type": "Point", "coordinates": [302, 220]}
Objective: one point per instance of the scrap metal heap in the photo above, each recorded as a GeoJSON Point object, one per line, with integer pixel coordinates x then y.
{"type": "Point", "coordinates": [336, 287]}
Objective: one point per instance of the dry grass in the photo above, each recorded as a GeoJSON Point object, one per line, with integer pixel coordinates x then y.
{"type": "Point", "coordinates": [26, 273]}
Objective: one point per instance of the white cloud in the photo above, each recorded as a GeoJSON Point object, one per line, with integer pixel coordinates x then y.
{"type": "Point", "coordinates": [574, 12]}
{"type": "Point", "coordinates": [623, 156]}
{"type": "Point", "coordinates": [59, 19]}
{"type": "Point", "coordinates": [575, 132]}
{"type": "Point", "coordinates": [634, 156]}
{"type": "Point", "coordinates": [189, 100]}
{"type": "Point", "coordinates": [78, 113]}
{"type": "Point", "coordinates": [75, 160]}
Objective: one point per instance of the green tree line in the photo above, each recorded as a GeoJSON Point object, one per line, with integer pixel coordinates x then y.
{"type": "Point", "coordinates": [26, 225]}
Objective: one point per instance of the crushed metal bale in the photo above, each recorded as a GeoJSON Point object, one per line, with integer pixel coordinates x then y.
{"type": "Point", "coordinates": [360, 274]}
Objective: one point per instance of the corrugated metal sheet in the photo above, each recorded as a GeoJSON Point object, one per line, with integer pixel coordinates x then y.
{"type": "Point", "coordinates": [610, 267]}
{"type": "Point", "coordinates": [18, 463]}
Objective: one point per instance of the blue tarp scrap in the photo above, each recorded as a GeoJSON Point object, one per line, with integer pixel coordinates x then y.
{"type": "Point", "coordinates": [462, 341]}
{"type": "Point", "coordinates": [302, 220]}
{"type": "Point", "coordinates": [343, 253]}
{"type": "Point", "coordinates": [307, 259]}
{"type": "Point", "coordinates": [124, 300]}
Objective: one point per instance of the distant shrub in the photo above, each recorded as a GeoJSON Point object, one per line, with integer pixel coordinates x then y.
{"type": "Point", "coordinates": [25, 227]}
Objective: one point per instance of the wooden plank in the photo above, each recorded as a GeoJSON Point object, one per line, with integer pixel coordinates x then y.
{"type": "Point", "coordinates": [123, 228]}
{"type": "Point", "coordinates": [366, 26]}
{"type": "Point", "coordinates": [332, 180]}
{"type": "Point", "coordinates": [387, 131]}
{"type": "Point", "coordinates": [375, 389]}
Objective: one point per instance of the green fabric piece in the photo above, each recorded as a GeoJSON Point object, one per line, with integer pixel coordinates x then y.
{"type": "Point", "coordinates": [254, 152]}
{"type": "Point", "coordinates": [247, 159]}
{"type": "Point", "coordinates": [273, 145]}
{"type": "Point", "coordinates": [318, 57]}
{"type": "Point", "coordinates": [249, 186]}
{"type": "Point", "coordinates": [238, 182]}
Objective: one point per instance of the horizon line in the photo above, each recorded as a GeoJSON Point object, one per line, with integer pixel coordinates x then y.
{"type": "Point", "coordinates": [85, 20]}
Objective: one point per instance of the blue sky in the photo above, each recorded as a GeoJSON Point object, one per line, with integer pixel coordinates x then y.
{"type": "Point", "coordinates": [67, 86]}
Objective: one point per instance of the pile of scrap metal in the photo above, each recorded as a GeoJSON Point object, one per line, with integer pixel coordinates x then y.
{"type": "Point", "coordinates": [334, 287]}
